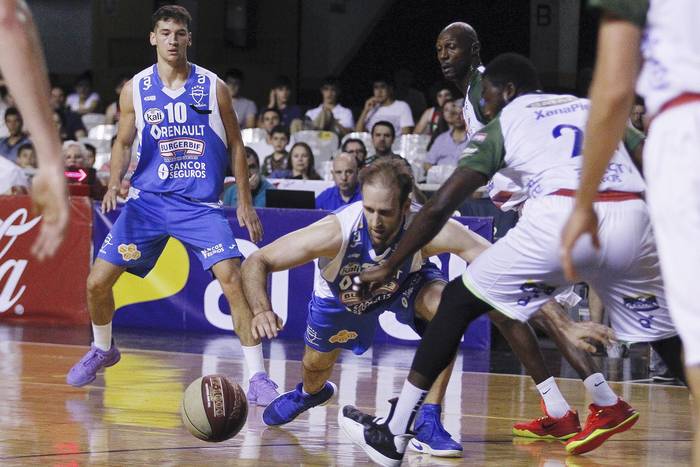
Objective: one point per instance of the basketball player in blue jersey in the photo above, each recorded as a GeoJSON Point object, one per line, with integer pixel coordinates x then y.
{"type": "Point", "coordinates": [354, 237]}
{"type": "Point", "coordinates": [182, 118]}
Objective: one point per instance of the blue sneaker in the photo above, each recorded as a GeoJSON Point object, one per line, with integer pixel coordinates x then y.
{"type": "Point", "coordinates": [290, 405]}
{"type": "Point", "coordinates": [85, 371]}
{"type": "Point", "coordinates": [431, 437]}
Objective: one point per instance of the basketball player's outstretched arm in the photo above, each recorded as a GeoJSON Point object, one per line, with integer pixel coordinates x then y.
{"type": "Point", "coordinates": [612, 94]}
{"type": "Point", "coordinates": [247, 217]}
{"type": "Point", "coordinates": [429, 220]}
{"type": "Point", "coordinates": [320, 239]}
{"type": "Point", "coordinates": [22, 64]}
{"type": "Point", "coordinates": [121, 149]}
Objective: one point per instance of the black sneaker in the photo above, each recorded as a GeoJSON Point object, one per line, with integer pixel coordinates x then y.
{"type": "Point", "coordinates": [375, 438]}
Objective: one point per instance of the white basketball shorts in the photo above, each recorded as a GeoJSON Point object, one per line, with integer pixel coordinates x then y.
{"type": "Point", "coordinates": [522, 271]}
{"type": "Point", "coordinates": [672, 171]}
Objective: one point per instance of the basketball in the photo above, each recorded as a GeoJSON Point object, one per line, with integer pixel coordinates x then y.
{"type": "Point", "coordinates": [213, 408]}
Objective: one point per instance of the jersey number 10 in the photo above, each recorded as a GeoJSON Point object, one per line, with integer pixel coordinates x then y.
{"type": "Point", "coordinates": [578, 137]}
{"type": "Point", "coordinates": [177, 112]}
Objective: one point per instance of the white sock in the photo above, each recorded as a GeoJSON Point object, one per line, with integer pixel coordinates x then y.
{"type": "Point", "coordinates": [254, 359]}
{"type": "Point", "coordinates": [599, 390]}
{"type": "Point", "coordinates": [553, 400]}
{"type": "Point", "coordinates": [409, 401]}
{"type": "Point", "coordinates": [102, 336]}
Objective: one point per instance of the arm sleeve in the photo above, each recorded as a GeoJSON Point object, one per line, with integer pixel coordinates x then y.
{"type": "Point", "coordinates": [634, 11]}
{"type": "Point", "coordinates": [485, 152]}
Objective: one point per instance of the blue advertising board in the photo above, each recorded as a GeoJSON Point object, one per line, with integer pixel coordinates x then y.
{"type": "Point", "coordinates": [179, 295]}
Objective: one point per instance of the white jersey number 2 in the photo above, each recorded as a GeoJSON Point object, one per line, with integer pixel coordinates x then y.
{"type": "Point", "coordinates": [578, 137]}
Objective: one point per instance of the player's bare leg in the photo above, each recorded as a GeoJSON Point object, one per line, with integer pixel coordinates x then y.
{"type": "Point", "coordinates": [317, 368]}
{"type": "Point", "coordinates": [100, 300]}
{"type": "Point", "coordinates": [314, 390]}
{"type": "Point", "coordinates": [261, 390]}
{"type": "Point", "coordinates": [431, 436]}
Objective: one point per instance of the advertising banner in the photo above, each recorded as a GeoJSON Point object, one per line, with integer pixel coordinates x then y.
{"type": "Point", "coordinates": [178, 294]}
{"type": "Point", "coordinates": [48, 292]}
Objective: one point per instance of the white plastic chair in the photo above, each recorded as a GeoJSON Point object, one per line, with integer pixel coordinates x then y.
{"type": "Point", "coordinates": [414, 147]}
{"type": "Point", "coordinates": [102, 132]}
{"type": "Point", "coordinates": [253, 135]}
{"type": "Point", "coordinates": [92, 120]}
{"type": "Point", "coordinates": [324, 144]}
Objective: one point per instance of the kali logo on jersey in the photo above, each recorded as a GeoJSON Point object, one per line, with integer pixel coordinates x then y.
{"type": "Point", "coordinates": [188, 146]}
{"type": "Point", "coordinates": [641, 304]}
{"type": "Point", "coordinates": [343, 337]}
{"type": "Point", "coordinates": [107, 242]}
{"type": "Point", "coordinates": [154, 116]}
{"type": "Point", "coordinates": [197, 94]}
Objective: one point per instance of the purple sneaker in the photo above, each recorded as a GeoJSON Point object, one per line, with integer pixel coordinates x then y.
{"type": "Point", "coordinates": [262, 390]}
{"type": "Point", "coordinates": [85, 371]}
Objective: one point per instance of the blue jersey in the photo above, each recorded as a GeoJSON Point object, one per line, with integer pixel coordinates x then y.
{"type": "Point", "coordinates": [333, 288]}
{"type": "Point", "coordinates": [182, 146]}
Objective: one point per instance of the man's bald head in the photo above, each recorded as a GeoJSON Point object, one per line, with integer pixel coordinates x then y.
{"type": "Point", "coordinates": [345, 173]}
{"type": "Point", "coordinates": [457, 48]}
{"type": "Point", "coordinates": [461, 31]}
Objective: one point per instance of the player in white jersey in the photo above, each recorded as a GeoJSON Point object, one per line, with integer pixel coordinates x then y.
{"type": "Point", "coordinates": [353, 238]}
{"type": "Point", "coordinates": [538, 136]}
{"type": "Point", "coordinates": [654, 43]}
{"type": "Point", "coordinates": [457, 49]}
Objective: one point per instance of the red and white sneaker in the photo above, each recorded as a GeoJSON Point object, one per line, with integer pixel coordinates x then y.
{"type": "Point", "coordinates": [549, 427]}
{"type": "Point", "coordinates": [601, 424]}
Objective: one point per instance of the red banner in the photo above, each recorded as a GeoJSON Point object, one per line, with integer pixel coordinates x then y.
{"type": "Point", "coordinates": [48, 292]}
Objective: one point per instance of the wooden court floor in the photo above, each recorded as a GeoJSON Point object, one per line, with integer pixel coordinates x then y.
{"type": "Point", "coordinates": [130, 415]}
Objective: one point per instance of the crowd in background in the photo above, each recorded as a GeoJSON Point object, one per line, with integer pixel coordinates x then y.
{"type": "Point", "coordinates": [394, 108]}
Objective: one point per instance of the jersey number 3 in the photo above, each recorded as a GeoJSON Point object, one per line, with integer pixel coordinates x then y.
{"type": "Point", "coordinates": [578, 137]}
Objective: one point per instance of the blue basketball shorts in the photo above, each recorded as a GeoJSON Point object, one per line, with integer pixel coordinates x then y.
{"type": "Point", "coordinates": [329, 325]}
{"type": "Point", "coordinates": [147, 220]}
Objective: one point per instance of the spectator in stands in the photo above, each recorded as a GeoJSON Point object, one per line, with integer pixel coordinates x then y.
{"type": "Point", "coordinates": [26, 157]}
{"type": "Point", "coordinates": [302, 164]}
{"type": "Point", "coordinates": [269, 119]}
{"type": "Point", "coordinates": [448, 146]}
{"type": "Point", "coordinates": [330, 115]}
{"type": "Point", "coordinates": [404, 91]}
{"type": "Point", "coordinates": [71, 123]}
{"type": "Point", "coordinates": [9, 146]}
{"type": "Point", "coordinates": [84, 100]}
{"type": "Point", "coordinates": [279, 99]}
{"type": "Point", "coordinates": [74, 154]}
{"type": "Point", "coordinates": [90, 155]}
{"type": "Point", "coordinates": [346, 189]}
{"type": "Point", "coordinates": [279, 159]}
{"type": "Point", "coordinates": [637, 114]}
{"type": "Point", "coordinates": [245, 109]}
{"type": "Point", "coordinates": [382, 138]}
{"type": "Point", "coordinates": [13, 180]}
{"type": "Point", "coordinates": [383, 107]}
{"type": "Point", "coordinates": [58, 122]}
{"type": "Point", "coordinates": [112, 111]}
{"type": "Point", "coordinates": [258, 184]}
{"type": "Point", "coordinates": [428, 123]}
{"type": "Point", "coordinates": [356, 147]}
